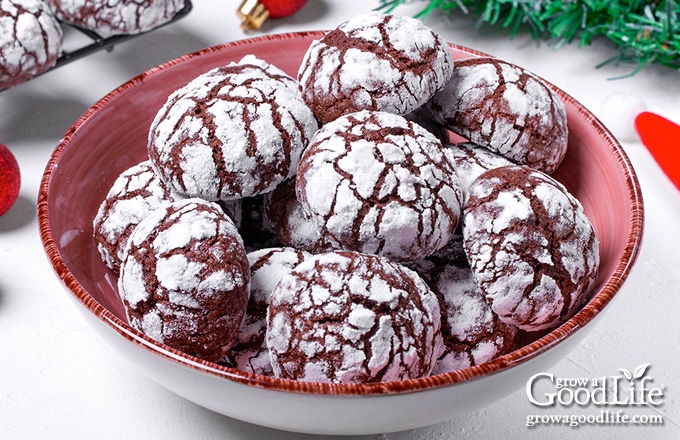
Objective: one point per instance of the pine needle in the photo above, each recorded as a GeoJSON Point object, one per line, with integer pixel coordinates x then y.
{"type": "Point", "coordinates": [645, 33]}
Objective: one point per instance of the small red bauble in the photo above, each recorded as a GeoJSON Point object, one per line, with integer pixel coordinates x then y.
{"type": "Point", "coordinates": [10, 179]}
{"type": "Point", "coordinates": [255, 12]}
{"type": "Point", "coordinates": [282, 8]}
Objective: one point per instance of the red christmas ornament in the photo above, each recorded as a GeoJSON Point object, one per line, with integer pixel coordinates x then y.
{"type": "Point", "coordinates": [10, 179]}
{"type": "Point", "coordinates": [660, 136]}
{"type": "Point", "coordinates": [282, 8]}
{"type": "Point", "coordinates": [255, 12]}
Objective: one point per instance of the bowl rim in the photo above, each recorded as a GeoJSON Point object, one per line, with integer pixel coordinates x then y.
{"type": "Point", "coordinates": [592, 308]}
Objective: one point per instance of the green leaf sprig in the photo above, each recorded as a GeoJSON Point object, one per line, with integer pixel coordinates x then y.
{"type": "Point", "coordinates": [644, 32]}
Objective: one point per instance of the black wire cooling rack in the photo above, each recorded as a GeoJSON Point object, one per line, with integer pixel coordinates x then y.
{"type": "Point", "coordinates": [100, 43]}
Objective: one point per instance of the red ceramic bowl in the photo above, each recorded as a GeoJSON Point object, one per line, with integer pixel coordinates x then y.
{"type": "Point", "coordinates": [111, 136]}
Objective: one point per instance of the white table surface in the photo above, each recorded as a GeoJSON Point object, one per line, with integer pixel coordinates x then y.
{"type": "Point", "coordinates": [59, 380]}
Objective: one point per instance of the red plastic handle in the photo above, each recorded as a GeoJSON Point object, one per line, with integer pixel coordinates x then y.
{"type": "Point", "coordinates": [662, 139]}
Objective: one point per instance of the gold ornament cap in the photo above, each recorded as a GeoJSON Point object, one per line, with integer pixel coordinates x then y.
{"type": "Point", "coordinates": [252, 14]}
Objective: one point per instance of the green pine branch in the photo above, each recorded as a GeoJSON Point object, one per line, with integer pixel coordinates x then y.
{"type": "Point", "coordinates": [644, 32]}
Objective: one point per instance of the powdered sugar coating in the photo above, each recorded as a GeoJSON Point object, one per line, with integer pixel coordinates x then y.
{"type": "Point", "coordinates": [291, 223]}
{"type": "Point", "coordinates": [30, 41]}
{"type": "Point", "coordinates": [379, 184]}
{"type": "Point", "coordinates": [133, 196]}
{"type": "Point", "coordinates": [267, 267]}
{"type": "Point", "coordinates": [505, 108]}
{"type": "Point", "coordinates": [531, 247]}
{"type": "Point", "coordinates": [346, 317]}
{"type": "Point", "coordinates": [470, 160]}
{"type": "Point", "coordinates": [116, 17]}
{"type": "Point", "coordinates": [472, 332]}
{"type": "Point", "coordinates": [374, 62]}
{"type": "Point", "coordinates": [185, 280]}
{"type": "Point", "coordinates": [235, 131]}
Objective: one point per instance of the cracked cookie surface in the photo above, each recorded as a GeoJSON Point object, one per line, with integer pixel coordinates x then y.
{"type": "Point", "coordinates": [185, 280]}
{"type": "Point", "coordinates": [379, 184]}
{"type": "Point", "coordinates": [470, 160]}
{"type": "Point", "coordinates": [472, 332]}
{"type": "Point", "coordinates": [30, 42]}
{"type": "Point", "coordinates": [506, 109]}
{"type": "Point", "coordinates": [346, 317]}
{"type": "Point", "coordinates": [116, 17]}
{"type": "Point", "coordinates": [235, 131]}
{"type": "Point", "coordinates": [292, 224]}
{"type": "Point", "coordinates": [135, 193]}
{"type": "Point", "coordinates": [531, 247]}
{"type": "Point", "coordinates": [267, 267]}
{"type": "Point", "coordinates": [374, 61]}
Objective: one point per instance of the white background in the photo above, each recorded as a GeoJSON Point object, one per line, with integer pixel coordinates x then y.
{"type": "Point", "coordinates": [59, 380]}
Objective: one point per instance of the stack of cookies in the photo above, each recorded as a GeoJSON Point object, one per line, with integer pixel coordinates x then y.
{"type": "Point", "coordinates": [324, 228]}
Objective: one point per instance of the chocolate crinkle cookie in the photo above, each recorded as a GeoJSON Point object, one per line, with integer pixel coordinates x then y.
{"type": "Point", "coordinates": [267, 267]}
{"type": "Point", "coordinates": [346, 317]}
{"type": "Point", "coordinates": [116, 17]}
{"type": "Point", "coordinates": [532, 250]}
{"type": "Point", "coordinates": [235, 131]}
{"type": "Point", "coordinates": [506, 109]}
{"type": "Point", "coordinates": [379, 184]}
{"type": "Point", "coordinates": [374, 61]}
{"type": "Point", "coordinates": [30, 40]}
{"type": "Point", "coordinates": [292, 224]}
{"type": "Point", "coordinates": [133, 196]}
{"type": "Point", "coordinates": [472, 332]}
{"type": "Point", "coordinates": [185, 280]}
{"type": "Point", "coordinates": [470, 160]}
